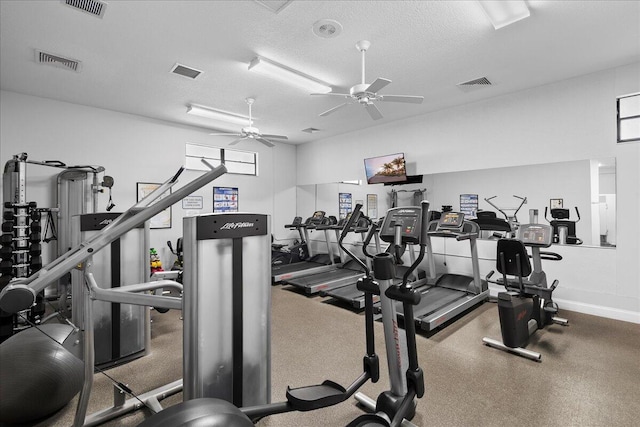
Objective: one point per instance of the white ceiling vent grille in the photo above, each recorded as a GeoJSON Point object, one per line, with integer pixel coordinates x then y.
{"type": "Point", "coordinates": [92, 7]}
{"type": "Point", "coordinates": [185, 71]}
{"type": "Point", "coordinates": [275, 6]}
{"type": "Point", "coordinates": [474, 84]}
{"type": "Point", "coordinates": [310, 130]}
{"type": "Point", "coordinates": [58, 61]}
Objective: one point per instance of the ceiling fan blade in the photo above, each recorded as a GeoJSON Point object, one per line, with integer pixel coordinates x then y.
{"type": "Point", "coordinates": [373, 111]}
{"type": "Point", "coordinates": [225, 134]}
{"type": "Point", "coordinates": [234, 142]}
{"type": "Point", "coordinates": [377, 85]}
{"type": "Point", "coordinates": [346, 95]}
{"type": "Point", "coordinates": [326, 113]}
{"type": "Point", "coordinates": [265, 142]}
{"type": "Point", "coordinates": [266, 135]}
{"type": "Point", "coordinates": [402, 98]}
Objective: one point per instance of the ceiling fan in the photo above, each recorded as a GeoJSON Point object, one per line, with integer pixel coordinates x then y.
{"type": "Point", "coordinates": [365, 94]}
{"type": "Point", "coordinates": [251, 132]}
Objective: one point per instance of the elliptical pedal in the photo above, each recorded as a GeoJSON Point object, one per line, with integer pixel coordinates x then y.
{"type": "Point", "coordinates": [312, 397]}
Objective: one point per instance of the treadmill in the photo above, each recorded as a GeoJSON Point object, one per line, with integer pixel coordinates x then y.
{"type": "Point", "coordinates": [450, 294]}
{"type": "Point", "coordinates": [315, 263]}
{"type": "Point", "coordinates": [351, 295]}
{"type": "Point", "coordinates": [346, 273]}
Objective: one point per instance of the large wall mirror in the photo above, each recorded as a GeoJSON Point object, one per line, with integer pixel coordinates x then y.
{"type": "Point", "coordinates": [588, 185]}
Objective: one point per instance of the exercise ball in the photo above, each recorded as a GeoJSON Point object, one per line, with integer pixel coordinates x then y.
{"type": "Point", "coordinates": [38, 376]}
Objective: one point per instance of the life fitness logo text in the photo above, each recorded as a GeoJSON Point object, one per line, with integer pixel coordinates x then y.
{"type": "Point", "coordinates": [236, 225]}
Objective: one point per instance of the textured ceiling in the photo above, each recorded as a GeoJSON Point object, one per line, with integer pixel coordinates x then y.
{"type": "Point", "coordinates": [424, 47]}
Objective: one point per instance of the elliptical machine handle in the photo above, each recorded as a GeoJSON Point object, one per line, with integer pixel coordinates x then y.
{"type": "Point", "coordinates": [372, 232]}
{"type": "Point", "coordinates": [353, 218]}
{"type": "Point", "coordinates": [577, 213]}
{"type": "Point", "coordinates": [424, 225]}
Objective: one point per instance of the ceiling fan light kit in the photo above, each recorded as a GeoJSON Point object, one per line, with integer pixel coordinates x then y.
{"type": "Point", "coordinates": [288, 75]}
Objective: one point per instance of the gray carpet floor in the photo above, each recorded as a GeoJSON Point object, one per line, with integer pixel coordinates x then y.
{"type": "Point", "coordinates": [589, 374]}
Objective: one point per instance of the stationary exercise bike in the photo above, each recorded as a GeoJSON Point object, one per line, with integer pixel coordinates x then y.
{"type": "Point", "coordinates": [526, 306]}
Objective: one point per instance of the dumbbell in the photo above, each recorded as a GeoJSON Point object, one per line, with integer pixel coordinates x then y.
{"type": "Point", "coordinates": [35, 226]}
{"type": "Point", "coordinates": [8, 216]}
{"type": "Point", "coordinates": [5, 279]}
{"type": "Point", "coordinates": [7, 227]}
{"type": "Point", "coordinates": [35, 216]}
{"type": "Point", "coordinates": [35, 263]}
{"type": "Point", "coordinates": [6, 267]}
{"type": "Point", "coordinates": [6, 239]}
{"type": "Point", "coordinates": [6, 252]}
{"type": "Point", "coordinates": [35, 249]}
{"type": "Point", "coordinates": [35, 237]}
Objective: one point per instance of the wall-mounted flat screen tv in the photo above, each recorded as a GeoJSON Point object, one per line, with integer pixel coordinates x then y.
{"type": "Point", "coordinates": [383, 169]}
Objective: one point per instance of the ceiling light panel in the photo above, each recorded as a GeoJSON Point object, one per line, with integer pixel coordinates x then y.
{"type": "Point", "coordinates": [288, 75]}
{"type": "Point", "coordinates": [504, 12]}
{"type": "Point", "coordinates": [212, 113]}
{"type": "Point", "coordinates": [275, 6]}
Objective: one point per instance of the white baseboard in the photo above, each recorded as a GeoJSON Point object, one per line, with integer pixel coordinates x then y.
{"type": "Point", "coordinates": [598, 310]}
{"type": "Point", "coordinates": [595, 310]}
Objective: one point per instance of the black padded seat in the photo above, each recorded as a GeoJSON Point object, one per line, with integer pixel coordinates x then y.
{"type": "Point", "coordinates": [201, 412]}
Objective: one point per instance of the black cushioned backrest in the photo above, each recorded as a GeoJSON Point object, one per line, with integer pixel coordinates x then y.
{"type": "Point", "coordinates": [509, 249]}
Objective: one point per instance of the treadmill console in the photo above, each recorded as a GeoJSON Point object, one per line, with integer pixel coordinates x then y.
{"type": "Point", "coordinates": [409, 217]}
{"type": "Point", "coordinates": [540, 235]}
{"type": "Point", "coordinates": [316, 219]}
{"type": "Point", "coordinates": [452, 221]}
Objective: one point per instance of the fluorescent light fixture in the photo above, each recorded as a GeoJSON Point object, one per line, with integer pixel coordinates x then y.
{"type": "Point", "coordinates": [504, 12]}
{"type": "Point", "coordinates": [212, 113]}
{"type": "Point", "coordinates": [288, 75]}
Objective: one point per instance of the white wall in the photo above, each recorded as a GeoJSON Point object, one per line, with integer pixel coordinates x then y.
{"type": "Point", "coordinates": [135, 149]}
{"type": "Point", "coordinates": [569, 120]}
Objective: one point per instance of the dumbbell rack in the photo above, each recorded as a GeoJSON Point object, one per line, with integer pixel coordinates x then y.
{"type": "Point", "coordinates": [20, 254]}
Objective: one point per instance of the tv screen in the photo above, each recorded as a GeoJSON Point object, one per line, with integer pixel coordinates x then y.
{"type": "Point", "coordinates": [382, 169]}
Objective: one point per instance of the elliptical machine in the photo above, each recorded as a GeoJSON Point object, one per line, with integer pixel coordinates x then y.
{"type": "Point", "coordinates": [564, 229]}
{"type": "Point", "coordinates": [401, 226]}
{"type": "Point", "coordinates": [526, 306]}
{"type": "Point", "coordinates": [218, 412]}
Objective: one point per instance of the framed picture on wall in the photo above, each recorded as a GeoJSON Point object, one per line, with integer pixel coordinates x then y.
{"type": "Point", "coordinates": [469, 205]}
{"type": "Point", "coordinates": [372, 206]}
{"type": "Point", "coordinates": [225, 199]}
{"type": "Point", "coordinates": [555, 203]}
{"type": "Point", "coordinates": [161, 220]}
{"type": "Point", "coordinates": [344, 202]}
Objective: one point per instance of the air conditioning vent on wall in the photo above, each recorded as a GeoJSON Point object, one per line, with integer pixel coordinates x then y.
{"type": "Point", "coordinates": [92, 7]}
{"type": "Point", "coordinates": [58, 61]}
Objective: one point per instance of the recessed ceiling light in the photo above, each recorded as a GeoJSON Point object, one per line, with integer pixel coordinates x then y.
{"type": "Point", "coordinates": [327, 28]}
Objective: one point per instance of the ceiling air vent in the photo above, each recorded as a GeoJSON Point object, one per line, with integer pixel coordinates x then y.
{"type": "Point", "coordinates": [92, 7]}
{"type": "Point", "coordinates": [310, 130]}
{"type": "Point", "coordinates": [185, 71]}
{"type": "Point", "coordinates": [474, 84]}
{"type": "Point", "coordinates": [58, 61]}
{"type": "Point", "coordinates": [275, 6]}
